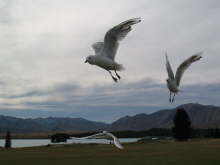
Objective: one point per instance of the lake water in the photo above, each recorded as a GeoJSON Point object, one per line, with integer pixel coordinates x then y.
{"type": "Point", "coordinates": [39, 142]}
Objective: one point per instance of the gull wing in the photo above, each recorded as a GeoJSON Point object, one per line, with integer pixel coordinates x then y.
{"type": "Point", "coordinates": [116, 141]}
{"type": "Point", "coordinates": [182, 68]}
{"type": "Point", "coordinates": [116, 34]}
{"type": "Point", "coordinates": [103, 135]}
{"type": "Point", "coordinates": [98, 46]}
{"type": "Point", "coordinates": [169, 69]}
{"type": "Point", "coordinates": [95, 136]}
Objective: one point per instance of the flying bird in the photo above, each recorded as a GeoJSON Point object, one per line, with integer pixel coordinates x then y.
{"type": "Point", "coordinates": [105, 51]}
{"type": "Point", "coordinates": [103, 135]}
{"type": "Point", "coordinates": [173, 83]}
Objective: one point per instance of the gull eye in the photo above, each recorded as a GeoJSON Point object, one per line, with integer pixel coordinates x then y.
{"type": "Point", "coordinates": [90, 58]}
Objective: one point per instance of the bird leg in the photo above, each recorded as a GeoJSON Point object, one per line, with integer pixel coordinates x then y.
{"type": "Point", "coordinates": [114, 78]}
{"type": "Point", "coordinates": [117, 75]}
{"type": "Point", "coordinates": [173, 97]}
{"type": "Point", "coordinates": [170, 97]}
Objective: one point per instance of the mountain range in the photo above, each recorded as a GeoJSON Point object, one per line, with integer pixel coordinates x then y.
{"type": "Point", "coordinates": [202, 116]}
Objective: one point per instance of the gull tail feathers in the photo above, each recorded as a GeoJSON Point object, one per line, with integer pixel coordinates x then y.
{"type": "Point", "coordinates": [119, 67]}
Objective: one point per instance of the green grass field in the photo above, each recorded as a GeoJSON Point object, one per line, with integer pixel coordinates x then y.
{"type": "Point", "coordinates": [199, 152]}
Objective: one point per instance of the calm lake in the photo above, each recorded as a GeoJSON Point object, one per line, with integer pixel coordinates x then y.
{"type": "Point", "coordinates": [39, 142]}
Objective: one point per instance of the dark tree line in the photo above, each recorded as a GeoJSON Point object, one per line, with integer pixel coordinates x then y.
{"type": "Point", "coordinates": [206, 133]}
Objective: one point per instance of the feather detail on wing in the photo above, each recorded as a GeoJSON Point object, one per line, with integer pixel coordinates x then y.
{"type": "Point", "coordinates": [182, 68]}
{"type": "Point", "coordinates": [98, 46]}
{"type": "Point", "coordinates": [169, 69]}
{"type": "Point", "coordinates": [116, 34]}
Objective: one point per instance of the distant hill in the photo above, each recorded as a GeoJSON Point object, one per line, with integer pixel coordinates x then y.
{"type": "Point", "coordinates": [202, 116]}
{"type": "Point", "coordinates": [51, 124]}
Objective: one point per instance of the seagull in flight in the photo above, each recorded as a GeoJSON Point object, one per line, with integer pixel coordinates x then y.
{"type": "Point", "coordinates": [105, 51]}
{"type": "Point", "coordinates": [103, 135]}
{"type": "Point", "coordinates": [174, 82]}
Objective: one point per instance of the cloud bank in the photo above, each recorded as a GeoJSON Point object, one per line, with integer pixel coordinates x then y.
{"type": "Point", "coordinates": [44, 44]}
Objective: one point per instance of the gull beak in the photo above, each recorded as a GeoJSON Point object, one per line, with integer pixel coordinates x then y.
{"type": "Point", "coordinates": [86, 61]}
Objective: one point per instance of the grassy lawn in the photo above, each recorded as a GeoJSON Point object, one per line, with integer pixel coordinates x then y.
{"type": "Point", "coordinates": [199, 152]}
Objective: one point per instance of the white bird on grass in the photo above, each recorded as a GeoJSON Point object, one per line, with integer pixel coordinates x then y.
{"type": "Point", "coordinates": [103, 135]}
{"type": "Point", "coordinates": [174, 82]}
{"type": "Point", "coordinates": [105, 51]}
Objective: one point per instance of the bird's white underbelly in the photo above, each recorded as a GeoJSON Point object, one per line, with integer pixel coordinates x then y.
{"type": "Point", "coordinates": [105, 63]}
{"type": "Point", "coordinates": [172, 87]}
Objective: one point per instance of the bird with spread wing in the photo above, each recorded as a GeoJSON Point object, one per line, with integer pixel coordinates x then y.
{"type": "Point", "coordinates": [103, 135]}
{"type": "Point", "coordinates": [173, 83]}
{"type": "Point", "coordinates": [105, 51]}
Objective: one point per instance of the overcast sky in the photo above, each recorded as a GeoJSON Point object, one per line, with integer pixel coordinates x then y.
{"type": "Point", "coordinates": [44, 45]}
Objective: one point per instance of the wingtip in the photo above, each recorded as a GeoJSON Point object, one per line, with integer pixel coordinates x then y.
{"type": "Point", "coordinates": [197, 56]}
{"type": "Point", "coordinates": [121, 148]}
{"type": "Point", "coordinates": [137, 19]}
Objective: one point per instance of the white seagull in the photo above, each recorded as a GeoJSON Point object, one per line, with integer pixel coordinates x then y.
{"type": "Point", "coordinates": [174, 82]}
{"type": "Point", "coordinates": [103, 135]}
{"type": "Point", "coordinates": [105, 51]}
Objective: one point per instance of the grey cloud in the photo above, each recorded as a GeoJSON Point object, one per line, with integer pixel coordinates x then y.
{"type": "Point", "coordinates": [107, 103]}
{"type": "Point", "coordinates": [4, 12]}
{"type": "Point", "coordinates": [44, 43]}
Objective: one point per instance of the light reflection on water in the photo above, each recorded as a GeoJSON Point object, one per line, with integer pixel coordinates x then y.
{"type": "Point", "coordinates": [39, 142]}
